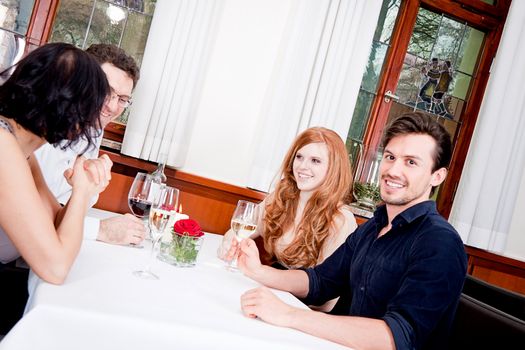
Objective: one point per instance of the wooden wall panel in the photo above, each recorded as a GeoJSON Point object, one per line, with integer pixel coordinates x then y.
{"type": "Point", "coordinates": [213, 214]}
{"type": "Point", "coordinates": [115, 197]}
{"type": "Point", "coordinates": [496, 269]}
{"type": "Point", "coordinates": [502, 279]}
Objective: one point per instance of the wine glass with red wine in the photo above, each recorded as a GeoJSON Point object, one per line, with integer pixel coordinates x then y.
{"type": "Point", "coordinates": [139, 197]}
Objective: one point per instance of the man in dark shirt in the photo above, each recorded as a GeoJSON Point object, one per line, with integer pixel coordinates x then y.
{"type": "Point", "coordinates": [405, 267]}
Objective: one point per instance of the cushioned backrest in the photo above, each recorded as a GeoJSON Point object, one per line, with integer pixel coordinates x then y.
{"type": "Point", "coordinates": [502, 299]}
{"type": "Point", "coordinates": [480, 326]}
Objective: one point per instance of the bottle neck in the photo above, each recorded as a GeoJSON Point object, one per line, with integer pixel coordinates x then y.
{"type": "Point", "coordinates": [159, 172]}
{"type": "Point", "coordinates": [160, 168]}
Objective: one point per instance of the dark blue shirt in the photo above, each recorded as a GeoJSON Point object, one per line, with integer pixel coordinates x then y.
{"type": "Point", "coordinates": [411, 277]}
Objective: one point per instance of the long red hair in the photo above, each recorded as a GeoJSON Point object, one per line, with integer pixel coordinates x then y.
{"type": "Point", "coordinates": [321, 209]}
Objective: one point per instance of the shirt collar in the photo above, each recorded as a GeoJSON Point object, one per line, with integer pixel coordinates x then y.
{"type": "Point", "coordinates": [406, 216]}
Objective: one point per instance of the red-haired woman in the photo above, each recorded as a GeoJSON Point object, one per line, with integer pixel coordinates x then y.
{"type": "Point", "coordinates": [306, 218]}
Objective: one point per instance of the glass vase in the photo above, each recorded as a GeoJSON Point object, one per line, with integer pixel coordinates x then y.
{"type": "Point", "coordinates": [182, 250]}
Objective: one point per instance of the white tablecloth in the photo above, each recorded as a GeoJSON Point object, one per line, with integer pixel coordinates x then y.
{"type": "Point", "coordinates": [102, 305]}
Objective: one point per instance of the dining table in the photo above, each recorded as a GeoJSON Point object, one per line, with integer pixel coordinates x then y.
{"type": "Point", "coordinates": [102, 305]}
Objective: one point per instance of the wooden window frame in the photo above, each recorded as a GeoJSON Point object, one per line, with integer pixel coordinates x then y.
{"type": "Point", "coordinates": [498, 10]}
{"type": "Point", "coordinates": [493, 25]}
{"type": "Point", "coordinates": [41, 22]}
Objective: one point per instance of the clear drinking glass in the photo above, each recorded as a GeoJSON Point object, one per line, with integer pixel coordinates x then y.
{"type": "Point", "coordinates": [139, 201]}
{"type": "Point", "coordinates": [244, 224]}
{"type": "Point", "coordinates": [163, 207]}
{"type": "Point", "coordinates": [140, 198]}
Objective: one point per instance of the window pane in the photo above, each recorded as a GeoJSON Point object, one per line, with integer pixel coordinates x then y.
{"type": "Point", "coordinates": [11, 49]}
{"type": "Point", "coordinates": [386, 21]}
{"type": "Point", "coordinates": [123, 118]}
{"type": "Point", "coordinates": [455, 106]}
{"type": "Point", "coordinates": [469, 50]}
{"type": "Point", "coordinates": [360, 117]}
{"type": "Point", "coordinates": [136, 34]}
{"type": "Point", "coordinates": [448, 42]}
{"type": "Point", "coordinates": [374, 66]}
{"type": "Point", "coordinates": [409, 79]}
{"type": "Point", "coordinates": [15, 15]}
{"type": "Point", "coordinates": [14, 19]}
{"type": "Point", "coordinates": [424, 35]}
{"type": "Point", "coordinates": [72, 21]}
{"type": "Point", "coordinates": [107, 24]}
{"type": "Point", "coordinates": [460, 85]}
{"type": "Point", "coordinates": [124, 23]}
{"type": "Point", "coordinates": [145, 6]}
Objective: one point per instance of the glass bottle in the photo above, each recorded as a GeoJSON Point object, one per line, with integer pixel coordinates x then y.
{"type": "Point", "coordinates": [158, 174]}
{"type": "Point", "coordinates": [159, 178]}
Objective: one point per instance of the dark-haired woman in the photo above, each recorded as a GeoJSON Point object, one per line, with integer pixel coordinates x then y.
{"type": "Point", "coordinates": [55, 93]}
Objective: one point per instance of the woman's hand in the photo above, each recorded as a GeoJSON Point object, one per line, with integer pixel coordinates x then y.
{"type": "Point", "coordinates": [225, 251]}
{"type": "Point", "coordinates": [92, 175]}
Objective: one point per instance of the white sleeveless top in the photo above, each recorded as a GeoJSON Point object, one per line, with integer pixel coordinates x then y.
{"type": "Point", "coordinates": [8, 251]}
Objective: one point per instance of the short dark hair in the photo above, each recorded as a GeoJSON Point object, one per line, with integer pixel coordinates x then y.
{"type": "Point", "coordinates": [107, 53]}
{"type": "Point", "coordinates": [420, 123]}
{"type": "Point", "coordinates": [56, 92]}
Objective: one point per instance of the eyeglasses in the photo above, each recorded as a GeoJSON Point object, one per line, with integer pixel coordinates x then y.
{"type": "Point", "coordinates": [123, 100]}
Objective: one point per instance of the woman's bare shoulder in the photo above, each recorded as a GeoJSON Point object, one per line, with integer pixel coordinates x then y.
{"type": "Point", "coordinates": [349, 221]}
{"type": "Point", "coordinates": [344, 225]}
{"type": "Point", "coordinates": [10, 152]}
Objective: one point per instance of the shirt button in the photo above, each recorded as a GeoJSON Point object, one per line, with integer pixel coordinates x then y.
{"type": "Point", "coordinates": [362, 289]}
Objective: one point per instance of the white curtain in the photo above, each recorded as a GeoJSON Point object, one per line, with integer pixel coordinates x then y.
{"type": "Point", "coordinates": [486, 196]}
{"type": "Point", "coordinates": [166, 97]}
{"type": "Point", "coordinates": [316, 79]}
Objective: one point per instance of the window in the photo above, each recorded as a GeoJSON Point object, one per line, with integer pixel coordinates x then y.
{"type": "Point", "coordinates": [14, 19]}
{"type": "Point", "coordinates": [433, 56]}
{"type": "Point", "coordinates": [124, 23]}
{"type": "Point", "coordinates": [27, 24]}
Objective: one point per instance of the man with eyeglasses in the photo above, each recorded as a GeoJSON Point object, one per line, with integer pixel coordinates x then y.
{"type": "Point", "coordinates": [122, 74]}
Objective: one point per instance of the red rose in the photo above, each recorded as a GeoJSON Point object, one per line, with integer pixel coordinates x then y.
{"type": "Point", "coordinates": [188, 227]}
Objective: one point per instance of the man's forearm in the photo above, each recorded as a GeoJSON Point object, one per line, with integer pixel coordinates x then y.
{"type": "Point", "coordinates": [354, 332]}
{"type": "Point", "coordinates": [293, 281]}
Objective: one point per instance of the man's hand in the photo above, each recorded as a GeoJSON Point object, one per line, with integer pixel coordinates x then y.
{"type": "Point", "coordinates": [261, 302]}
{"type": "Point", "coordinates": [122, 229]}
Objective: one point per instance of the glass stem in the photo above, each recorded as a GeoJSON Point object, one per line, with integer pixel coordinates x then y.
{"type": "Point", "coordinates": [145, 221]}
{"type": "Point", "coordinates": [152, 252]}
{"type": "Point", "coordinates": [233, 262]}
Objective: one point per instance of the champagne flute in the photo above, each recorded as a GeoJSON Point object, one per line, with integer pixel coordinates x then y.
{"type": "Point", "coordinates": [244, 224]}
{"type": "Point", "coordinates": [163, 207]}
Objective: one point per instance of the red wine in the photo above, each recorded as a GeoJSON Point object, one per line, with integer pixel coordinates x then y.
{"type": "Point", "coordinates": [139, 207]}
